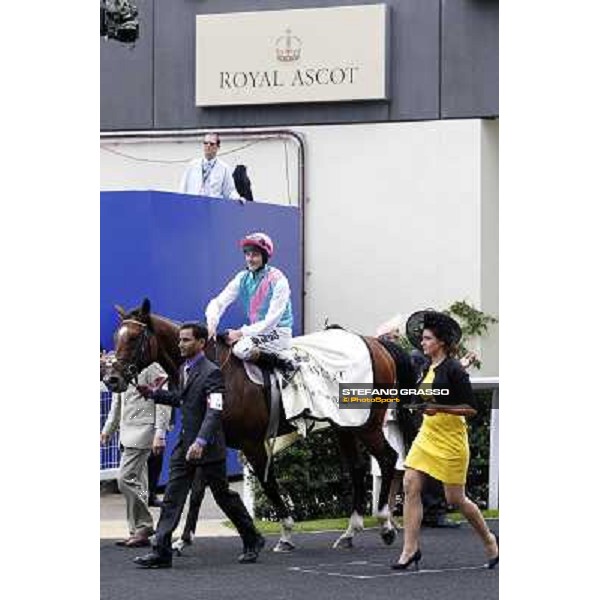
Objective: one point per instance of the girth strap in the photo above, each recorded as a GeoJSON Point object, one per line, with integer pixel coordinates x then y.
{"type": "Point", "coordinates": [273, 400]}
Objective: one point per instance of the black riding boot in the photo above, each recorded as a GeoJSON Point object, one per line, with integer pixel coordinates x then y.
{"type": "Point", "coordinates": [271, 361]}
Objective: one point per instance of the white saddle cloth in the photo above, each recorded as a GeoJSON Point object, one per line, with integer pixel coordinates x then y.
{"type": "Point", "coordinates": [326, 359]}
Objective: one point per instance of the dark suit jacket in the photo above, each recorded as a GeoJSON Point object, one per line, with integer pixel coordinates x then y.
{"type": "Point", "coordinates": [199, 419]}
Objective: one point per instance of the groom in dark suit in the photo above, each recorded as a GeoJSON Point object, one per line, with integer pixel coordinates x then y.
{"type": "Point", "coordinates": [201, 445]}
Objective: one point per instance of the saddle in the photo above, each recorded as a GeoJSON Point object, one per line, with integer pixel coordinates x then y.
{"type": "Point", "coordinates": [268, 380]}
{"type": "Point", "coordinates": [278, 429]}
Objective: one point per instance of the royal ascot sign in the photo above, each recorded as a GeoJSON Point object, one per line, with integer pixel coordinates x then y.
{"type": "Point", "coordinates": [307, 55]}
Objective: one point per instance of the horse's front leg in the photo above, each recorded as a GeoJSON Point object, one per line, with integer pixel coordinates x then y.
{"type": "Point", "coordinates": [386, 456]}
{"type": "Point", "coordinates": [257, 457]}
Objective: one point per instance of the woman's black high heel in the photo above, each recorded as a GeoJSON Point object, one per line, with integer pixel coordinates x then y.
{"type": "Point", "coordinates": [415, 558]}
{"type": "Point", "coordinates": [491, 564]}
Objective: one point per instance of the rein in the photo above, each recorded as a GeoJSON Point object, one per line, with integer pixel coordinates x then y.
{"type": "Point", "coordinates": [132, 368]}
{"type": "Point", "coordinates": [224, 363]}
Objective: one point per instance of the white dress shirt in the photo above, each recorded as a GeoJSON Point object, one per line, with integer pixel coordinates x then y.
{"type": "Point", "coordinates": [215, 181]}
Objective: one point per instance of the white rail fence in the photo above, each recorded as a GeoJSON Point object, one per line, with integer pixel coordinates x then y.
{"type": "Point", "coordinates": [110, 455]}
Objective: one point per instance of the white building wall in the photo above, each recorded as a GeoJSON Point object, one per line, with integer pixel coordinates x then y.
{"type": "Point", "coordinates": [158, 164]}
{"type": "Point", "coordinates": [400, 216]}
{"type": "Point", "coordinates": [490, 272]}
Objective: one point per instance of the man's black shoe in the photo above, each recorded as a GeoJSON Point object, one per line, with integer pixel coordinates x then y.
{"type": "Point", "coordinates": [442, 522]}
{"type": "Point", "coordinates": [153, 561]}
{"type": "Point", "coordinates": [251, 553]}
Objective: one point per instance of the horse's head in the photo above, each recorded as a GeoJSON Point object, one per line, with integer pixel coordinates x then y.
{"type": "Point", "coordinates": [135, 347]}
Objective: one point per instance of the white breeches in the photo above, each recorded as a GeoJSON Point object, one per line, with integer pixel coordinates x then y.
{"type": "Point", "coordinates": [277, 341]}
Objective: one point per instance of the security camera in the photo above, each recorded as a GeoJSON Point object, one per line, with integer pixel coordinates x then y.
{"type": "Point", "coordinates": [119, 21]}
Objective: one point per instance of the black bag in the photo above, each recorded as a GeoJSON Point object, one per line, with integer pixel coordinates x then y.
{"type": "Point", "coordinates": [242, 182]}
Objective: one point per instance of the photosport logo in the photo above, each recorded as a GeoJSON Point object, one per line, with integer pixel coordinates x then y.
{"type": "Point", "coordinates": [360, 395]}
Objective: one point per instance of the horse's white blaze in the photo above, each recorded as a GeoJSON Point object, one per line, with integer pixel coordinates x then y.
{"type": "Point", "coordinates": [122, 332]}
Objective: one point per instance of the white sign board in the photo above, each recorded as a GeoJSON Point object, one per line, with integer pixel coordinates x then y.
{"type": "Point", "coordinates": [306, 55]}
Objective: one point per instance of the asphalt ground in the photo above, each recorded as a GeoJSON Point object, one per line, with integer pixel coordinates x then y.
{"type": "Point", "coordinates": [452, 567]}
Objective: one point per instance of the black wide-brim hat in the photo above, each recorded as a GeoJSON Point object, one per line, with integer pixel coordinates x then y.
{"type": "Point", "coordinates": [425, 319]}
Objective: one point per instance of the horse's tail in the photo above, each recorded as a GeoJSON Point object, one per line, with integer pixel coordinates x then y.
{"type": "Point", "coordinates": [406, 378]}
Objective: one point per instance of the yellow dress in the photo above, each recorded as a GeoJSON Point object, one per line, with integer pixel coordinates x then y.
{"type": "Point", "coordinates": [441, 448]}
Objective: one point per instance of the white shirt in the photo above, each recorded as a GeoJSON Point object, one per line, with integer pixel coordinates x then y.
{"type": "Point", "coordinates": [217, 184]}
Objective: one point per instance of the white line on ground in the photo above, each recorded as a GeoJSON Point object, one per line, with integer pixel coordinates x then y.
{"type": "Point", "coordinates": [317, 570]}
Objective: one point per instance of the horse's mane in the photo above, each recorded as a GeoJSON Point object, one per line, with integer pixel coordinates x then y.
{"type": "Point", "coordinates": [216, 347]}
{"type": "Point", "coordinates": [166, 320]}
{"type": "Point", "coordinates": [137, 315]}
{"type": "Point", "coordinates": [149, 318]}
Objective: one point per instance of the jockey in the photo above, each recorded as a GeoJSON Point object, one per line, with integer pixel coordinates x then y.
{"type": "Point", "coordinates": [265, 293]}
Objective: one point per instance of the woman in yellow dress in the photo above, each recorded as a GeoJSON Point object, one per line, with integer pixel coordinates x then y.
{"type": "Point", "coordinates": [441, 448]}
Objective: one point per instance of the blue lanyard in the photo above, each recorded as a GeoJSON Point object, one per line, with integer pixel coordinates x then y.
{"type": "Point", "coordinates": [208, 171]}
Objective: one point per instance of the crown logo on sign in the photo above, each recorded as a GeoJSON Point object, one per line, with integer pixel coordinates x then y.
{"type": "Point", "coordinates": [288, 47]}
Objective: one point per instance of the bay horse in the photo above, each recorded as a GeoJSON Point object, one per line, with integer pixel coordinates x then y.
{"type": "Point", "coordinates": [143, 338]}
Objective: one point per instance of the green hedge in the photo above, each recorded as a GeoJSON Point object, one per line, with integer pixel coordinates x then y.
{"type": "Point", "coordinates": [311, 479]}
{"type": "Point", "coordinates": [479, 443]}
{"type": "Point", "coordinates": [316, 485]}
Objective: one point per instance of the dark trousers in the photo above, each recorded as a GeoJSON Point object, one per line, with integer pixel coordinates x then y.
{"type": "Point", "coordinates": [181, 477]}
{"type": "Point", "coordinates": [196, 498]}
{"type": "Point", "coordinates": [434, 500]}
{"type": "Point", "coordinates": [155, 463]}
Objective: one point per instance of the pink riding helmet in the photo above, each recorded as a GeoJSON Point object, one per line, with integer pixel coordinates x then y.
{"type": "Point", "coordinates": [258, 240]}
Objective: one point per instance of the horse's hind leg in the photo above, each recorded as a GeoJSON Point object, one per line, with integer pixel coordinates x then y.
{"type": "Point", "coordinates": [257, 457]}
{"type": "Point", "coordinates": [358, 472]}
{"type": "Point", "coordinates": [375, 442]}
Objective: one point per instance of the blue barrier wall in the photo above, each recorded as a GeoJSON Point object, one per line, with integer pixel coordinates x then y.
{"type": "Point", "coordinates": [180, 251]}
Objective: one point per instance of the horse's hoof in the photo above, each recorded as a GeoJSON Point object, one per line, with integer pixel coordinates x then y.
{"type": "Point", "coordinates": [178, 546]}
{"type": "Point", "coordinates": [388, 536]}
{"type": "Point", "coordinates": [283, 546]}
{"type": "Point", "coordinates": [344, 542]}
